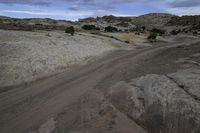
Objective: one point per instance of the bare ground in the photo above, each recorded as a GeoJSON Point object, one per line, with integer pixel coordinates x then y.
{"type": "Point", "coordinates": [28, 56]}
{"type": "Point", "coordinates": [62, 103]}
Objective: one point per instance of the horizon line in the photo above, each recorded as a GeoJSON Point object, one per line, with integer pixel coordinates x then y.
{"type": "Point", "coordinates": [94, 16]}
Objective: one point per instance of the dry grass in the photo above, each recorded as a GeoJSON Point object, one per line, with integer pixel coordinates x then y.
{"type": "Point", "coordinates": [116, 45]}
{"type": "Point", "coordinates": [131, 37]}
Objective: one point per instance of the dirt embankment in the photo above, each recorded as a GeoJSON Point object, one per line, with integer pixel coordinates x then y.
{"type": "Point", "coordinates": [27, 56]}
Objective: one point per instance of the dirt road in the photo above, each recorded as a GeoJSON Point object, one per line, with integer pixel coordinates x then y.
{"type": "Point", "coordinates": [26, 108]}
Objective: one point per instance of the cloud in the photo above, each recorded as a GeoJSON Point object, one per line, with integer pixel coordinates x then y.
{"type": "Point", "coordinates": [183, 7]}
{"type": "Point", "coordinates": [185, 3]}
{"type": "Point", "coordinates": [27, 2]}
{"type": "Point", "coordinates": [184, 11]}
{"type": "Point", "coordinates": [94, 5]}
{"type": "Point", "coordinates": [73, 5]}
{"type": "Point", "coordinates": [72, 15]}
{"type": "Point", "coordinates": [74, 9]}
{"type": "Point", "coordinates": [26, 12]}
{"type": "Point", "coordinates": [50, 13]}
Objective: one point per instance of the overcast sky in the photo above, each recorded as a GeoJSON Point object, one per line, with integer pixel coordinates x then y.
{"type": "Point", "coordinates": [74, 9]}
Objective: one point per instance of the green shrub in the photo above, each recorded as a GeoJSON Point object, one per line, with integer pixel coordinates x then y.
{"type": "Point", "coordinates": [70, 30]}
{"type": "Point", "coordinates": [152, 37]}
{"type": "Point", "coordinates": [90, 27]}
{"type": "Point", "coordinates": [137, 33]}
{"type": "Point", "coordinates": [97, 28]}
{"type": "Point", "coordinates": [195, 33]}
{"type": "Point", "coordinates": [111, 29]}
{"type": "Point", "coordinates": [175, 32]}
{"type": "Point", "coordinates": [158, 31]}
{"type": "Point", "coordinates": [127, 42]}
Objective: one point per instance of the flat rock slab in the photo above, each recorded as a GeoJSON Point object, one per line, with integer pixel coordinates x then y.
{"type": "Point", "coordinates": [161, 103]}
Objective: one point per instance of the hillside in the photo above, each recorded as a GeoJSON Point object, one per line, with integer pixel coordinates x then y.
{"type": "Point", "coordinates": [185, 20]}
{"type": "Point", "coordinates": [153, 20]}
{"type": "Point", "coordinates": [26, 56]}
{"type": "Point", "coordinates": [165, 21]}
{"type": "Point", "coordinates": [148, 20]}
{"type": "Point", "coordinates": [29, 24]}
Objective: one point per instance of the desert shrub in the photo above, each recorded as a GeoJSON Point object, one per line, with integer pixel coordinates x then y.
{"type": "Point", "coordinates": [1, 21]}
{"type": "Point", "coordinates": [143, 28]}
{"type": "Point", "coordinates": [127, 42]}
{"type": "Point", "coordinates": [97, 28]}
{"type": "Point", "coordinates": [152, 37]}
{"type": "Point", "coordinates": [89, 27]}
{"type": "Point", "coordinates": [137, 33]}
{"type": "Point", "coordinates": [54, 22]}
{"type": "Point", "coordinates": [175, 32]}
{"type": "Point", "coordinates": [158, 31]}
{"type": "Point", "coordinates": [96, 32]}
{"type": "Point", "coordinates": [126, 30]}
{"type": "Point", "coordinates": [111, 29]}
{"type": "Point", "coordinates": [195, 32]}
{"type": "Point", "coordinates": [70, 30]}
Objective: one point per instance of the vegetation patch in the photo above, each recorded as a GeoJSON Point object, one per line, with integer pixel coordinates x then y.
{"type": "Point", "coordinates": [152, 37]}
{"type": "Point", "coordinates": [175, 32]}
{"type": "Point", "coordinates": [116, 45]}
{"type": "Point", "coordinates": [90, 27]}
{"type": "Point", "coordinates": [159, 32]}
{"type": "Point", "coordinates": [70, 30]}
{"type": "Point", "coordinates": [111, 29]}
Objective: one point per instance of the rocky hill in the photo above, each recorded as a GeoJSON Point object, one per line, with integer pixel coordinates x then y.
{"type": "Point", "coordinates": [113, 19]}
{"type": "Point", "coordinates": [186, 23]}
{"type": "Point", "coordinates": [149, 21]}
{"type": "Point", "coordinates": [153, 20]}
{"type": "Point", "coordinates": [185, 20]}
{"type": "Point", "coordinates": [32, 24]}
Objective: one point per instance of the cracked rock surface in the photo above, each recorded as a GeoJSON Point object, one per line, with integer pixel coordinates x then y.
{"type": "Point", "coordinates": [161, 103]}
{"type": "Point", "coordinates": [149, 104]}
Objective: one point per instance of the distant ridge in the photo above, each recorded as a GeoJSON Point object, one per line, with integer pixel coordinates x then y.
{"type": "Point", "coordinates": [149, 21]}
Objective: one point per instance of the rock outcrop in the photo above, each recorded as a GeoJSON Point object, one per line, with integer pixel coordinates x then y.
{"type": "Point", "coordinates": [150, 104]}
{"type": "Point", "coordinates": [161, 103]}
{"type": "Point", "coordinates": [185, 20]}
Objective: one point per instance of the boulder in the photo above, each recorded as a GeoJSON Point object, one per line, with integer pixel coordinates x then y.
{"type": "Point", "coordinates": [161, 103]}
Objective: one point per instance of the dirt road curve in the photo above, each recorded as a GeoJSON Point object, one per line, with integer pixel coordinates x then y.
{"type": "Point", "coordinates": [26, 108]}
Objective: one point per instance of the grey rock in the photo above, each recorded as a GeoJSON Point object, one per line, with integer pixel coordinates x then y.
{"type": "Point", "coordinates": [94, 114]}
{"type": "Point", "coordinates": [161, 103]}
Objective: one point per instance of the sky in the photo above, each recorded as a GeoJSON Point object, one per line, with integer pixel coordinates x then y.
{"type": "Point", "coordinates": [75, 9]}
